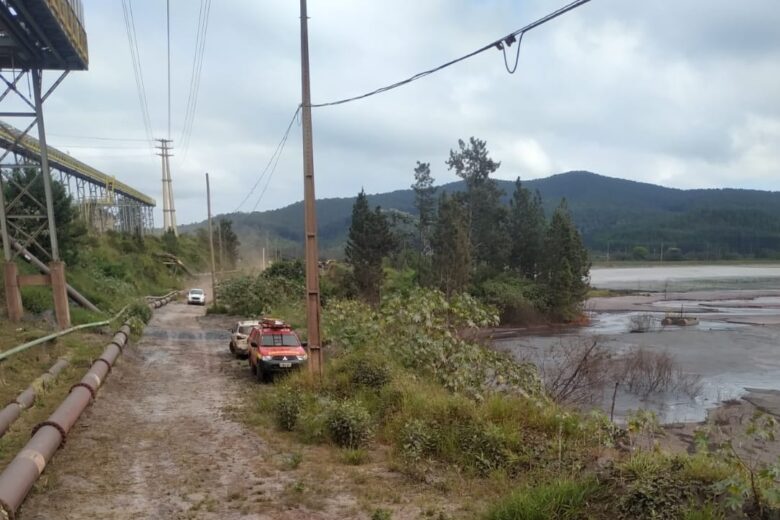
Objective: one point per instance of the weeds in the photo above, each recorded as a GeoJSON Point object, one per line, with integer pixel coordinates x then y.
{"type": "Point", "coordinates": [559, 500]}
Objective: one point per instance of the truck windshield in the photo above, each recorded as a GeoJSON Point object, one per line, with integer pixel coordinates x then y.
{"type": "Point", "coordinates": [280, 340]}
{"type": "Point", "coordinates": [245, 329]}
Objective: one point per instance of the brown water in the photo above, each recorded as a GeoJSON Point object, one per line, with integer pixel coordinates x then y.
{"type": "Point", "coordinates": [735, 345]}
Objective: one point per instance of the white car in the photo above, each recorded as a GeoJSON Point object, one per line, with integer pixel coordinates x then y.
{"type": "Point", "coordinates": [239, 334]}
{"type": "Point", "coordinates": [196, 297]}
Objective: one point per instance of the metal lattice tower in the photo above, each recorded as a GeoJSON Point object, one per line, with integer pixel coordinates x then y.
{"type": "Point", "coordinates": [35, 35]}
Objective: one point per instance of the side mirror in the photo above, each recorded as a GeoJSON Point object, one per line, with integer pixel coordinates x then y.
{"type": "Point", "coordinates": [304, 343]}
{"type": "Point", "coordinates": [254, 344]}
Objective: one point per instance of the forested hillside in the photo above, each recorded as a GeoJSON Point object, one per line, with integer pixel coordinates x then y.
{"type": "Point", "coordinates": [614, 215]}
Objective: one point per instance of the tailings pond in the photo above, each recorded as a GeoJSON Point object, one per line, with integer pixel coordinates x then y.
{"type": "Point", "coordinates": [734, 347]}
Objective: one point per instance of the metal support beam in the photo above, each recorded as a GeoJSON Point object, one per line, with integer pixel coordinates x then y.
{"type": "Point", "coordinates": [55, 249]}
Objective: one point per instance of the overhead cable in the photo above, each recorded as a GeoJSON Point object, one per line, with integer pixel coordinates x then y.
{"type": "Point", "coordinates": [127, 10]}
{"type": "Point", "coordinates": [196, 74]}
{"type": "Point", "coordinates": [500, 44]}
{"type": "Point", "coordinates": [273, 160]}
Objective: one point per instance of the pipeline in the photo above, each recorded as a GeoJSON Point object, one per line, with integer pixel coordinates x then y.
{"type": "Point", "coordinates": [20, 475]}
{"type": "Point", "coordinates": [11, 413]}
{"type": "Point", "coordinates": [24, 346]}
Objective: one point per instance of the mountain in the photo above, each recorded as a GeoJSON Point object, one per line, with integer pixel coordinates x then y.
{"type": "Point", "coordinates": [612, 214]}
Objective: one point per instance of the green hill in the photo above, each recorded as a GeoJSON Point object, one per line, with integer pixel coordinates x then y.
{"type": "Point", "coordinates": [614, 214]}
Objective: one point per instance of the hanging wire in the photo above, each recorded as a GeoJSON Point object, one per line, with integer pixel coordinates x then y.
{"type": "Point", "coordinates": [276, 154]}
{"type": "Point", "coordinates": [508, 43]}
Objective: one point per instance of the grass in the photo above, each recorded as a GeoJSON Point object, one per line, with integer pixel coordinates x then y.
{"type": "Point", "coordinates": [20, 370]}
{"type": "Point", "coordinates": [558, 500]}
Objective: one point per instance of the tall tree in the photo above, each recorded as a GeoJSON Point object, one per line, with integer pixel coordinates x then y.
{"type": "Point", "coordinates": [527, 230]}
{"type": "Point", "coordinates": [424, 201]}
{"type": "Point", "coordinates": [451, 248]}
{"type": "Point", "coordinates": [487, 216]}
{"type": "Point", "coordinates": [230, 243]}
{"type": "Point", "coordinates": [370, 240]}
{"type": "Point", "coordinates": [567, 266]}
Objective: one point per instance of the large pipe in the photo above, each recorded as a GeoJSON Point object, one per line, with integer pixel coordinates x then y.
{"type": "Point", "coordinates": [73, 293]}
{"type": "Point", "coordinates": [24, 346]}
{"type": "Point", "coordinates": [11, 413]}
{"type": "Point", "coordinates": [20, 475]}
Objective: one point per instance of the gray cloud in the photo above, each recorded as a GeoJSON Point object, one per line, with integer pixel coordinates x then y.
{"type": "Point", "coordinates": [681, 93]}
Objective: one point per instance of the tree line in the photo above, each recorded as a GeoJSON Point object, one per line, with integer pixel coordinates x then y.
{"type": "Point", "coordinates": [510, 255]}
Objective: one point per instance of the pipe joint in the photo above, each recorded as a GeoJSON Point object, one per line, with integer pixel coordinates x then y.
{"type": "Point", "coordinates": [92, 391]}
{"type": "Point", "coordinates": [60, 429]}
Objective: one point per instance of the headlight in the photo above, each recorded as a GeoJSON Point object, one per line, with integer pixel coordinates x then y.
{"type": "Point", "coordinates": [265, 358]}
{"type": "Point", "coordinates": [303, 357]}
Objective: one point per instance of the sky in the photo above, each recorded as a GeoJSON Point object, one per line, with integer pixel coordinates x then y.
{"type": "Point", "coordinates": [683, 94]}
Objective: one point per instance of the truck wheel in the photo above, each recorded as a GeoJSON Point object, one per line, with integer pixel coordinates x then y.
{"type": "Point", "coordinates": [232, 348]}
{"type": "Point", "coordinates": [263, 376]}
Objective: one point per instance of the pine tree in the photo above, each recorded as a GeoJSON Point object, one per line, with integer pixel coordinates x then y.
{"type": "Point", "coordinates": [567, 266]}
{"type": "Point", "coordinates": [370, 240]}
{"type": "Point", "coordinates": [424, 201]}
{"type": "Point", "coordinates": [488, 233]}
{"type": "Point", "coordinates": [451, 248]}
{"type": "Point", "coordinates": [527, 231]}
{"type": "Point", "coordinates": [230, 243]}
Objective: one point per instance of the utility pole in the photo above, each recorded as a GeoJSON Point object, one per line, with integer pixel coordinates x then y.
{"type": "Point", "coordinates": [219, 238]}
{"type": "Point", "coordinates": [310, 210]}
{"type": "Point", "coordinates": [211, 244]}
{"type": "Point", "coordinates": [169, 209]}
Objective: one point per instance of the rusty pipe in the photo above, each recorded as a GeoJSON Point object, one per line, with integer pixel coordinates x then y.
{"type": "Point", "coordinates": [20, 475]}
{"type": "Point", "coordinates": [11, 413]}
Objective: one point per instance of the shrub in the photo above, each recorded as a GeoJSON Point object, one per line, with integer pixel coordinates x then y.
{"type": "Point", "coordinates": [416, 440]}
{"type": "Point", "coordinates": [562, 500]}
{"type": "Point", "coordinates": [349, 424]}
{"type": "Point", "coordinates": [139, 310]}
{"type": "Point", "coordinates": [37, 299]}
{"type": "Point", "coordinates": [369, 371]}
{"type": "Point", "coordinates": [287, 408]}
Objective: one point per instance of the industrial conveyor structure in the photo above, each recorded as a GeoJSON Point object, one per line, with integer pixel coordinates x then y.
{"type": "Point", "coordinates": [104, 202]}
{"type": "Point", "coordinates": [37, 37]}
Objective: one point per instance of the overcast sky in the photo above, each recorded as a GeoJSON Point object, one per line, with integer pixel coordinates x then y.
{"type": "Point", "coordinates": [684, 94]}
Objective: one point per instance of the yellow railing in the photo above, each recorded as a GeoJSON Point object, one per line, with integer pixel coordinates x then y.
{"type": "Point", "coordinates": [71, 24]}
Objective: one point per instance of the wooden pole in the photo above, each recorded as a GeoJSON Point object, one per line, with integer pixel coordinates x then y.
{"type": "Point", "coordinates": [211, 244]}
{"type": "Point", "coordinates": [310, 211]}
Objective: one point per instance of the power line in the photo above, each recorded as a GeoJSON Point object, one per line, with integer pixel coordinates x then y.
{"type": "Point", "coordinates": [276, 153]}
{"type": "Point", "coordinates": [500, 44]}
{"type": "Point", "coordinates": [168, 23]}
{"type": "Point", "coordinates": [98, 138]}
{"type": "Point", "coordinates": [271, 173]}
{"type": "Point", "coordinates": [197, 68]}
{"type": "Point", "coordinates": [135, 55]}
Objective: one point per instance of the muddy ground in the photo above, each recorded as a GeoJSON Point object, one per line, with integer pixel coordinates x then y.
{"type": "Point", "coordinates": [162, 440]}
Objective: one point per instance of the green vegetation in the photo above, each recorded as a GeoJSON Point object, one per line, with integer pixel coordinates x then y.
{"type": "Point", "coordinates": [407, 381]}
{"type": "Point", "coordinates": [562, 499]}
{"type": "Point", "coordinates": [613, 215]}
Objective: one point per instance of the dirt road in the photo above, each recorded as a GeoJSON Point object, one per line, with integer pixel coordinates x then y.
{"type": "Point", "coordinates": [157, 442]}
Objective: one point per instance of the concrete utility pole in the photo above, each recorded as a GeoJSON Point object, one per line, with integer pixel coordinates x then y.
{"type": "Point", "coordinates": [211, 244]}
{"type": "Point", "coordinates": [310, 210]}
{"type": "Point", "coordinates": [169, 209]}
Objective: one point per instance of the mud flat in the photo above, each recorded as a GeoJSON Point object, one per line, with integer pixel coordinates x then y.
{"type": "Point", "coordinates": [734, 347]}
